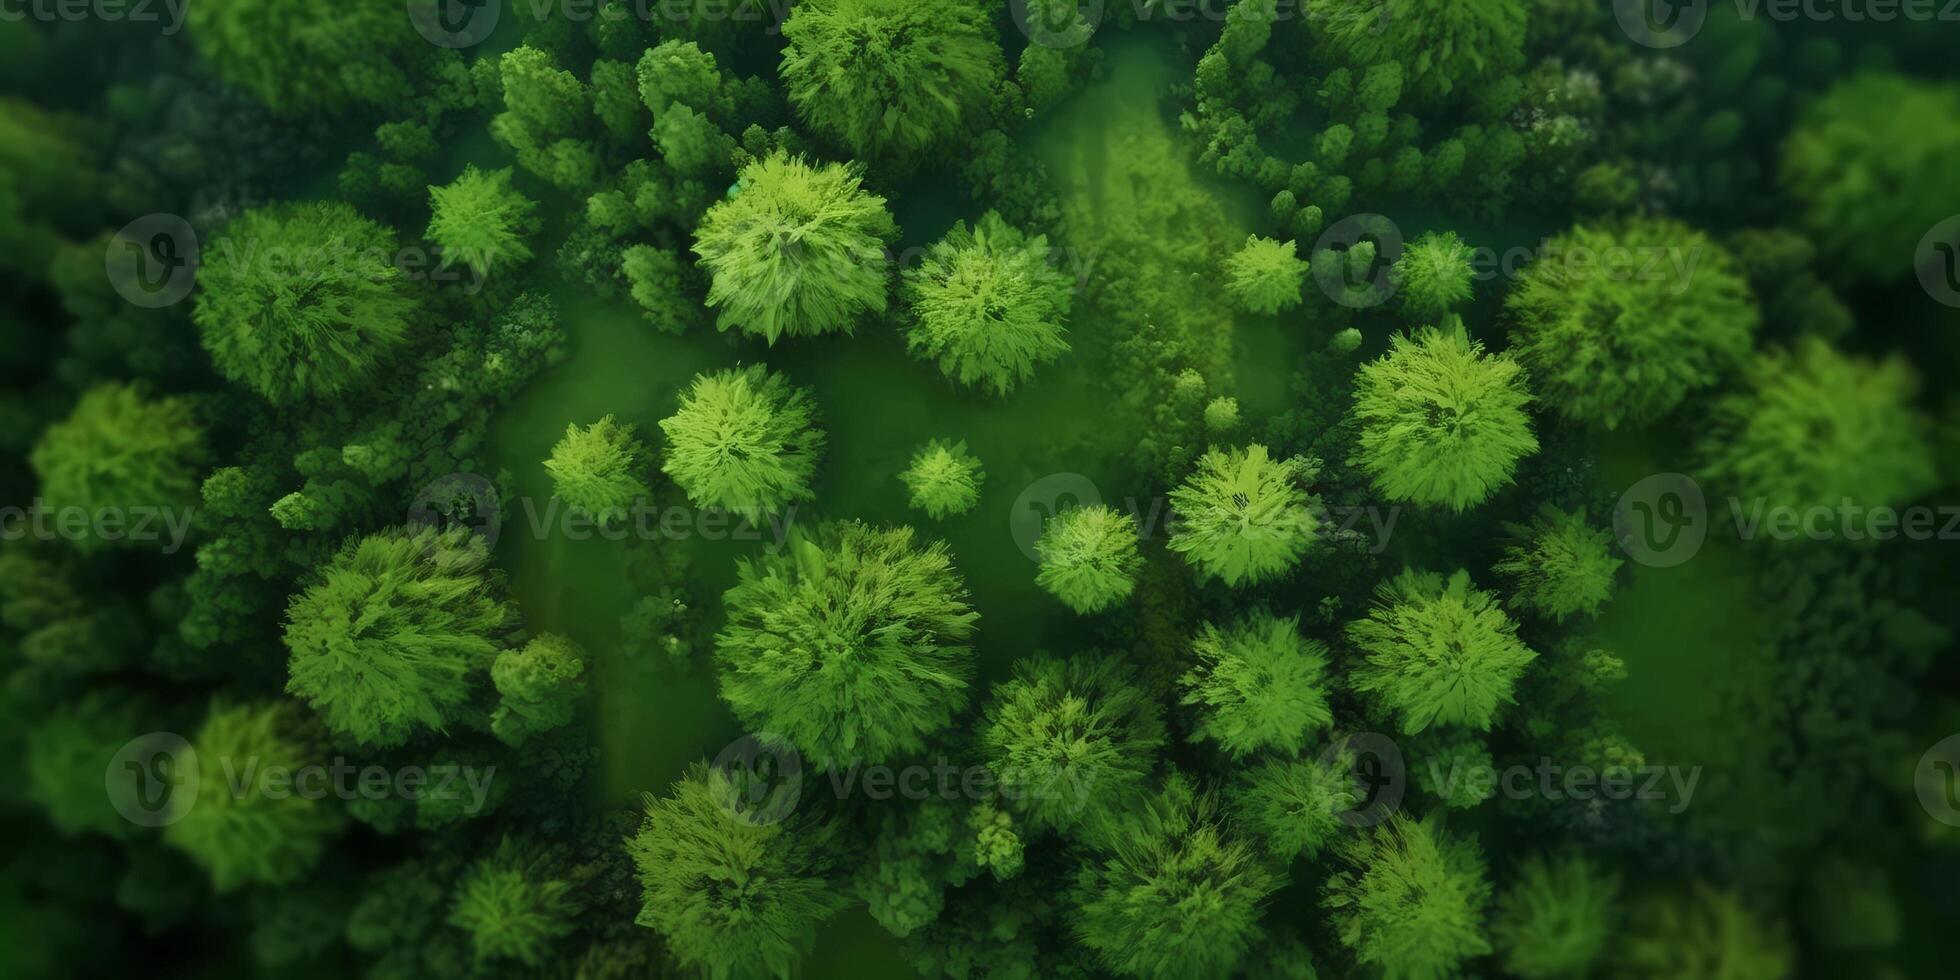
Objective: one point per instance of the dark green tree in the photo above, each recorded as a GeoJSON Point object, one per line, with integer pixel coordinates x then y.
{"type": "Point", "coordinates": [1071, 741]}
{"type": "Point", "coordinates": [122, 454]}
{"type": "Point", "coordinates": [1437, 652]}
{"type": "Point", "coordinates": [1410, 901]}
{"type": "Point", "coordinates": [255, 837]}
{"type": "Point", "coordinates": [1258, 684]}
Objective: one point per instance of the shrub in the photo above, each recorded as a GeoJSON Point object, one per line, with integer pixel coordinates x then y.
{"type": "Point", "coordinates": [1074, 739]}
{"type": "Point", "coordinates": [943, 479]}
{"type": "Point", "coordinates": [1432, 276]}
{"type": "Point", "coordinates": [254, 837]}
{"type": "Point", "coordinates": [511, 909]}
{"type": "Point", "coordinates": [596, 470]}
{"type": "Point", "coordinates": [1294, 806]}
{"type": "Point", "coordinates": [1410, 903]}
{"type": "Point", "coordinates": [120, 453]}
{"type": "Point", "coordinates": [480, 219]}
{"type": "Point", "coordinates": [1265, 275]}
{"type": "Point", "coordinates": [1556, 918]}
{"type": "Point", "coordinates": [540, 684]}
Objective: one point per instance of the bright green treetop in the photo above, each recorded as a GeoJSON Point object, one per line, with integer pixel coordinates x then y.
{"type": "Point", "coordinates": [889, 79]}
{"type": "Point", "coordinates": [1557, 917]}
{"type": "Point", "coordinates": [1089, 557]}
{"type": "Point", "coordinates": [511, 909]}
{"type": "Point", "coordinates": [254, 837]}
{"type": "Point", "coordinates": [1625, 340]}
{"type": "Point", "coordinates": [1432, 276]}
{"type": "Point", "coordinates": [1437, 652]}
{"type": "Point", "coordinates": [301, 300]}
{"type": "Point", "coordinates": [1442, 422]}
{"type": "Point", "coordinates": [119, 451]}
{"type": "Point", "coordinates": [1871, 168]}
{"type": "Point", "coordinates": [396, 633]}
{"type": "Point", "coordinates": [732, 897]}
{"type": "Point", "coordinates": [796, 252]}
{"type": "Point", "coordinates": [1811, 427]}
{"type": "Point", "coordinates": [1294, 806]}
{"type": "Point", "coordinates": [1411, 902]}
{"type": "Point", "coordinates": [1075, 739]}
{"type": "Point", "coordinates": [1243, 516]}
{"type": "Point", "coordinates": [480, 221]}
{"type": "Point", "coordinates": [1560, 564]}
{"type": "Point", "coordinates": [596, 470]}
{"type": "Point", "coordinates": [1174, 894]}
{"type": "Point", "coordinates": [850, 644]}
{"type": "Point", "coordinates": [988, 305]}
{"type": "Point", "coordinates": [1265, 275]}
{"type": "Point", "coordinates": [1445, 47]}
{"type": "Point", "coordinates": [540, 684]}
{"type": "Point", "coordinates": [943, 479]}
{"type": "Point", "coordinates": [1258, 684]}
{"type": "Point", "coordinates": [745, 439]}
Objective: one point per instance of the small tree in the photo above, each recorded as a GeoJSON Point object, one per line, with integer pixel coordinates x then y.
{"type": "Point", "coordinates": [120, 454]}
{"type": "Point", "coordinates": [1294, 806]}
{"type": "Point", "coordinates": [1442, 423]}
{"type": "Point", "coordinates": [1258, 684]}
{"type": "Point", "coordinates": [1432, 276]}
{"type": "Point", "coordinates": [1265, 275]}
{"type": "Point", "coordinates": [596, 470]}
{"type": "Point", "coordinates": [1557, 917]}
{"type": "Point", "coordinates": [511, 907]}
{"type": "Point", "coordinates": [481, 220]}
{"type": "Point", "coordinates": [539, 684]}
{"type": "Point", "coordinates": [397, 633]}
{"type": "Point", "coordinates": [943, 479]}
{"type": "Point", "coordinates": [1243, 516]}
{"type": "Point", "coordinates": [1074, 739]}
{"type": "Point", "coordinates": [301, 300]}
{"type": "Point", "coordinates": [744, 439]}
{"type": "Point", "coordinates": [1089, 557]}
{"type": "Point", "coordinates": [988, 305]}
{"type": "Point", "coordinates": [1703, 933]}
{"type": "Point", "coordinates": [731, 897]}
{"type": "Point", "coordinates": [254, 837]}
{"type": "Point", "coordinates": [851, 645]}
{"type": "Point", "coordinates": [1411, 900]}
{"type": "Point", "coordinates": [796, 251]}
{"type": "Point", "coordinates": [1437, 652]}
{"type": "Point", "coordinates": [1560, 565]}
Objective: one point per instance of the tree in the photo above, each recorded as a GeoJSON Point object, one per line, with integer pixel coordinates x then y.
{"type": "Point", "coordinates": [676, 71]}
{"type": "Point", "coordinates": [1089, 557]}
{"type": "Point", "coordinates": [511, 908]}
{"type": "Point", "coordinates": [1557, 917]}
{"type": "Point", "coordinates": [1703, 933]}
{"type": "Point", "coordinates": [1869, 166]}
{"type": "Point", "coordinates": [988, 304]}
{"type": "Point", "coordinates": [1258, 684]}
{"type": "Point", "coordinates": [943, 479]}
{"type": "Point", "coordinates": [296, 61]}
{"type": "Point", "coordinates": [1444, 47]}
{"type": "Point", "coordinates": [1410, 903]}
{"type": "Point", "coordinates": [1265, 275]}
{"type": "Point", "coordinates": [596, 470]}
{"type": "Point", "coordinates": [1243, 516]}
{"type": "Point", "coordinates": [1071, 741]}
{"type": "Point", "coordinates": [120, 454]}
{"type": "Point", "coordinates": [396, 634]}
{"type": "Point", "coordinates": [1811, 427]}
{"type": "Point", "coordinates": [1442, 423]}
{"type": "Point", "coordinates": [64, 756]}
{"type": "Point", "coordinates": [1173, 894]}
{"type": "Point", "coordinates": [540, 684]}
{"type": "Point", "coordinates": [1432, 276]}
{"type": "Point", "coordinates": [1437, 652]}
{"type": "Point", "coordinates": [1560, 564]}
{"type": "Point", "coordinates": [481, 220]}
{"type": "Point", "coordinates": [654, 277]}
{"type": "Point", "coordinates": [797, 251]}
{"type": "Point", "coordinates": [301, 300]}
{"type": "Point", "coordinates": [1294, 806]}
{"type": "Point", "coordinates": [851, 645]}
{"type": "Point", "coordinates": [547, 119]}
{"type": "Point", "coordinates": [1662, 313]}
{"type": "Point", "coordinates": [744, 439]}
{"type": "Point", "coordinates": [731, 897]}
{"type": "Point", "coordinates": [890, 79]}
{"type": "Point", "coordinates": [253, 837]}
